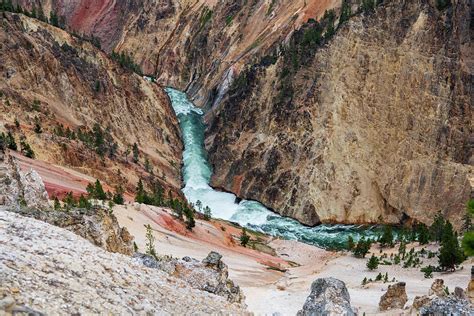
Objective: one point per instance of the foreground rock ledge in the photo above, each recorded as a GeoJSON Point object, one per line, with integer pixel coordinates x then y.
{"type": "Point", "coordinates": [54, 271]}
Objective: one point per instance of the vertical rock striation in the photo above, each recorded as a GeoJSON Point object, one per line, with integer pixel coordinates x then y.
{"type": "Point", "coordinates": [374, 125]}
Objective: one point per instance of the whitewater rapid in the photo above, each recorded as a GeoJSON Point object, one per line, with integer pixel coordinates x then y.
{"type": "Point", "coordinates": [197, 176]}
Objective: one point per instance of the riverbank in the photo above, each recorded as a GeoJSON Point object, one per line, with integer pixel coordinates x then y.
{"type": "Point", "coordinates": [283, 277]}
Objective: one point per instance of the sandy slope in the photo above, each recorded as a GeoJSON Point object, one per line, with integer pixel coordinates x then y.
{"type": "Point", "coordinates": [266, 290]}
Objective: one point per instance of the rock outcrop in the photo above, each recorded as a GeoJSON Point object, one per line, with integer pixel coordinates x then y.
{"type": "Point", "coordinates": [210, 275]}
{"type": "Point", "coordinates": [372, 125]}
{"type": "Point", "coordinates": [97, 225]}
{"type": "Point", "coordinates": [91, 111]}
{"type": "Point", "coordinates": [395, 297]}
{"type": "Point", "coordinates": [18, 188]}
{"type": "Point", "coordinates": [438, 302]}
{"type": "Point", "coordinates": [54, 271]}
{"type": "Point", "coordinates": [438, 288]}
{"type": "Point", "coordinates": [329, 296]}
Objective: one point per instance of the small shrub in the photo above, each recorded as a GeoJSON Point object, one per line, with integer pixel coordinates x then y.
{"type": "Point", "coordinates": [244, 238]}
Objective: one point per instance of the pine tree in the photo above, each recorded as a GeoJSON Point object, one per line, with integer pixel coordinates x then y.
{"type": "Point", "coordinates": [38, 129]}
{"type": "Point", "coordinates": [450, 254]}
{"type": "Point", "coordinates": [350, 243]}
{"type": "Point", "coordinates": [11, 143]}
{"type": "Point", "coordinates": [84, 203]}
{"type": "Point", "coordinates": [150, 242]}
{"type": "Point", "coordinates": [437, 227]}
{"type": "Point", "coordinates": [118, 195]}
{"type": "Point", "coordinates": [244, 237]}
{"type": "Point", "coordinates": [135, 153]}
{"type": "Point", "coordinates": [26, 149]}
{"type": "Point", "coordinates": [190, 222]}
{"type": "Point", "coordinates": [373, 263]}
{"type": "Point", "coordinates": [140, 192]}
{"type": "Point", "coordinates": [423, 234]}
{"type": "Point", "coordinates": [99, 192]}
{"type": "Point", "coordinates": [207, 213]}
{"type": "Point", "coordinates": [468, 243]}
{"type": "Point", "coordinates": [387, 237]}
{"type": "Point", "coordinates": [57, 204]}
{"type": "Point", "coordinates": [362, 248]}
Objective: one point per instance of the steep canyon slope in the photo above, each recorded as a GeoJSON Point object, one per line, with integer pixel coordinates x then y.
{"type": "Point", "coordinates": [76, 107]}
{"type": "Point", "coordinates": [373, 125]}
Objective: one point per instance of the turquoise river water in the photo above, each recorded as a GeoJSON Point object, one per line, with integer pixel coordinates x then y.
{"type": "Point", "coordinates": [197, 175]}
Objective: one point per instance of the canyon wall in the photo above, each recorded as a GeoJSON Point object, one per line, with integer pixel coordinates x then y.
{"type": "Point", "coordinates": [52, 79]}
{"type": "Point", "coordinates": [372, 125]}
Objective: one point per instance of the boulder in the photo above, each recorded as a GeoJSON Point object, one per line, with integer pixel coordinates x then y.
{"type": "Point", "coordinates": [437, 288]}
{"type": "Point", "coordinates": [395, 297]}
{"type": "Point", "coordinates": [210, 275]}
{"type": "Point", "coordinates": [329, 296]}
{"type": "Point", "coordinates": [420, 301]}
{"type": "Point", "coordinates": [447, 305]}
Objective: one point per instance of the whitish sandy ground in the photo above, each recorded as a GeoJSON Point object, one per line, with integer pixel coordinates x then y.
{"type": "Point", "coordinates": [267, 290]}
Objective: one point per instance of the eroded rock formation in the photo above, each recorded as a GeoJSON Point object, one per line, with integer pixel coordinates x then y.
{"type": "Point", "coordinates": [18, 189]}
{"type": "Point", "coordinates": [395, 297]}
{"type": "Point", "coordinates": [210, 275]}
{"type": "Point", "coordinates": [373, 125]}
{"type": "Point", "coordinates": [328, 296]}
{"type": "Point", "coordinates": [74, 90]}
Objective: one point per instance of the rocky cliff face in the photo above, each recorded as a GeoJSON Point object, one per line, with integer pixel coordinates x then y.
{"type": "Point", "coordinates": [63, 84]}
{"type": "Point", "coordinates": [191, 45]}
{"type": "Point", "coordinates": [373, 125]}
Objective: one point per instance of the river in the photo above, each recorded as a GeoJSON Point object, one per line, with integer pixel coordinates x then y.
{"type": "Point", "coordinates": [197, 175]}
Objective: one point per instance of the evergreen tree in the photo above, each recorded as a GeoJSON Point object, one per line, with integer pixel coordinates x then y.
{"type": "Point", "coordinates": [11, 143]}
{"type": "Point", "coordinates": [38, 129]}
{"type": "Point", "coordinates": [57, 204]}
{"type": "Point", "coordinates": [118, 195]}
{"type": "Point", "coordinates": [423, 234]}
{"type": "Point", "coordinates": [244, 237]}
{"type": "Point", "coordinates": [468, 243]}
{"type": "Point", "coordinates": [99, 192]}
{"type": "Point", "coordinates": [207, 213]}
{"type": "Point", "coordinates": [135, 153]}
{"type": "Point", "coordinates": [362, 248]}
{"type": "Point", "coordinates": [387, 237]}
{"type": "Point", "coordinates": [345, 12]}
{"type": "Point", "coordinates": [84, 203]}
{"type": "Point", "coordinates": [140, 193]}
{"type": "Point", "coordinates": [373, 263]}
{"type": "Point", "coordinates": [350, 243]}
{"type": "Point", "coordinates": [26, 149]}
{"type": "Point", "coordinates": [437, 227]}
{"type": "Point", "coordinates": [69, 201]}
{"type": "Point", "coordinates": [150, 242]}
{"type": "Point", "coordinates": [53, 19]}
{"type": "Point", "coordinates": [450, 254]}
{"type": "Point", "coordinates": [190, 222]}
{"type": "Point", "coordinates": [402, 249]}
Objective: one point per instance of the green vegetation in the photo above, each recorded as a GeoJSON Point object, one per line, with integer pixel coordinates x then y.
{"type": "Point", "coordinates": [450, 254]}
{"type": "Point", "coordinates": [362, 248]}
{"type": "Point", "coordinates": [150, 242]}
{"type": "Point", "coordinates": [442, 4]}
{"type": "Point", "coordinates": [427, 271]}
{"type": "Point", "coordinates": [244, 237]}
{"type": "Point", "coordinates": [37, 128]}
{"type": "Point", "coordinates": [345, 12]}
{"type": "Point", "coordinates": [373, 263]}
{"type": "Point", "coordinates": [96, 191]}
{"type": "Point", "coordinates": [126, 61]}
{"type": "Point", "coordinates": [386, 240]}
{"type": "Point", "coordinates": [350, 243]}
{"type": "Point", "coordinates": [26, 149]}
{"type": "Point", "coordinates": [206, 16]}
{"type": "Point", "coordinates": [118, 195]}
{"type": "Point", "coordinates": [207, 213]}
{"type": "Point", "coordinates": [136, 153]}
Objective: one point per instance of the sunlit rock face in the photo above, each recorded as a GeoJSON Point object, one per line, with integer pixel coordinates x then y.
{"type": "Point", "coordinates": [374, 125]}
